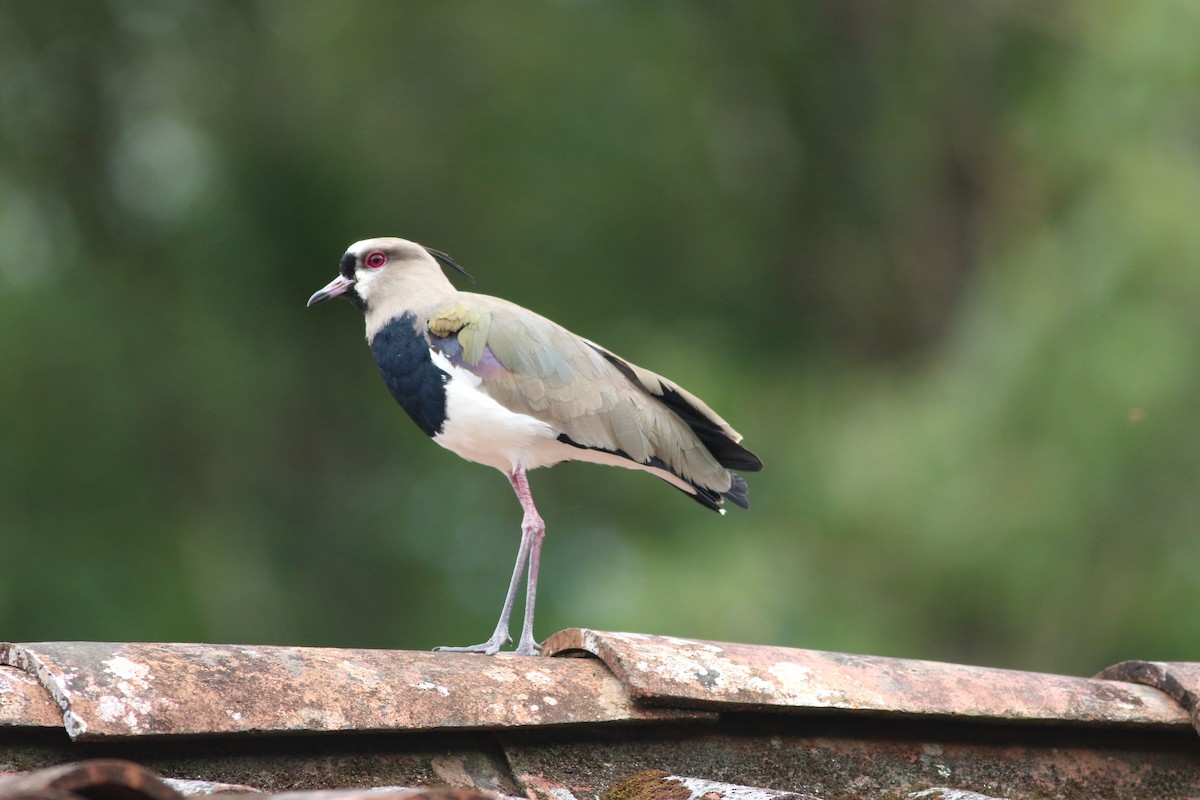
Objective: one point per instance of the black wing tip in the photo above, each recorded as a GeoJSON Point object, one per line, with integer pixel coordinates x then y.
{"type": "Point", "coordinates": [738, 492]}
{"type": "Point", "coordinates": [732, 455]}
{"type": "Point", "coordinates": [705, 497]}
{"type": "Point", "coordinates": [716, 440]}
{"type": "Point", "coordinates": [709, 498]}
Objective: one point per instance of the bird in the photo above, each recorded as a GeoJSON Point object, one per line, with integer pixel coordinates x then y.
{"type": "Point", "coordinates": [502, 386]}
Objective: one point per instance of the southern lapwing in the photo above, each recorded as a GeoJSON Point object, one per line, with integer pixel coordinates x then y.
{"type": "Point", "coordinates": [505, 387]}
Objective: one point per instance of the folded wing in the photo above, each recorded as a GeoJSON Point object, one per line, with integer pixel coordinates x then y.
{"type": "Point", "coordinates": [595, 399]}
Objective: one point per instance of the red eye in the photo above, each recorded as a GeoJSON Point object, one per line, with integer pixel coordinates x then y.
{"type": "Point", "coordinates": [375, 259]}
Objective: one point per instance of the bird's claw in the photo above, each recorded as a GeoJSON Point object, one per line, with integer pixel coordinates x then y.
{"type": "Point", "coordinates": [527, 647]}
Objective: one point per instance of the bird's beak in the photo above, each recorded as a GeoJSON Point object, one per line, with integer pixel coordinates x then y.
{"type": "Point", "coordinates": [337, 286]}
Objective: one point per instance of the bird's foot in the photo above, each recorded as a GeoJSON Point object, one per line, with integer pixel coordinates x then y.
{"type": "Point", "coordinates": [527, 647]}
{"type": "Point", "coordinates": [488, 648]}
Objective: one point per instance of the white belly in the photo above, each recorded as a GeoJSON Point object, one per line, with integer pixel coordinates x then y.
{"type": "Point", "coordinates": [479, 429]}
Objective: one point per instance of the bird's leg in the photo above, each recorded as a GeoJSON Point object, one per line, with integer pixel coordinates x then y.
{"type": "Point", "coordinates": [500, 636]}
{"type": "Point", "coordinates": [533, 531]}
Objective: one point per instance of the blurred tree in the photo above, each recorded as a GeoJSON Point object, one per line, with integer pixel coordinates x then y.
{"type": "Point", "coordinates": [935, 260]}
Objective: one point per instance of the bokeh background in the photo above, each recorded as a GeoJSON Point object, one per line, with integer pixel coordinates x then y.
{"type": "Point", "coordinates": [936, 260]}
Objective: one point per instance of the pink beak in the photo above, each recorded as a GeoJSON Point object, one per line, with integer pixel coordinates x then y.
{"type": "Point", "coordinates": [336, 287]}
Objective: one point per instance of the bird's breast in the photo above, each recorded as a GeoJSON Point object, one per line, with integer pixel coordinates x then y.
{"type": "Point", "coordinates": [446, 402]}
{"type": "Point", "coordinates": [414, 380]}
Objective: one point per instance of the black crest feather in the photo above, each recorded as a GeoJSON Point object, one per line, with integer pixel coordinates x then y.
{"type": "Point", "coordinates": [448, 261]}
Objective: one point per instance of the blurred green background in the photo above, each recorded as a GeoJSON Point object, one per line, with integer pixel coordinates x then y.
{"type": "Point", "coordinates": [936, 260]}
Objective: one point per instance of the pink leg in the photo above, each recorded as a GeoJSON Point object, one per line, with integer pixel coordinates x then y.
{"type": "Point", "coordinates": [533, 530]}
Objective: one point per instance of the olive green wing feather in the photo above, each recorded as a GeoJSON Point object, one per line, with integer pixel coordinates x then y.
{"type": "Point", "coordinates": [534, 366]}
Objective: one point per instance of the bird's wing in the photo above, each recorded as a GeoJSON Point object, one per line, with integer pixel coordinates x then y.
{"type": "Point", "coordinates": [534, 366]}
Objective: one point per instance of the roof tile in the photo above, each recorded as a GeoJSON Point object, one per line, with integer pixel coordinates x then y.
{"type": "Point", "coordinates": [667, 671]}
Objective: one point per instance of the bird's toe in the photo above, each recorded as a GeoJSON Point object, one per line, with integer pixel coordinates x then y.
{"type": "Point", "coordinates": [488, 648]}
{"type": "Point", "coordinates": [528, 648]}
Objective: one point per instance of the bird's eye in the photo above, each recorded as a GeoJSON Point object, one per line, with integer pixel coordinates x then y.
{"type": "Point", "coordinates": [375, 259]}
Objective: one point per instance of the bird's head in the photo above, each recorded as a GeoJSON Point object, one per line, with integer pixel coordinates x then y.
{"type": "Point", "coordinates": [370, 267]}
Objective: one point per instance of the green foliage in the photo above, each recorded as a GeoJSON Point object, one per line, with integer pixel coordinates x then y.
{"type": "Point", "coordinates": [936, 260]}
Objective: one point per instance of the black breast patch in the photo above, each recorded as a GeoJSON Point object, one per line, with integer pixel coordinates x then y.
{"type": "Point", "coordinates": [418, 385]}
